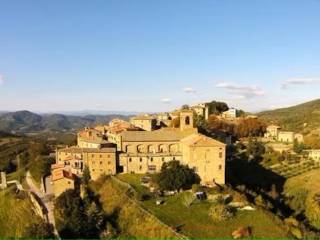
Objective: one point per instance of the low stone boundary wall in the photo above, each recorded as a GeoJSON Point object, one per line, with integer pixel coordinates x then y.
{"type": "Point", "coordinates": [38, 206]}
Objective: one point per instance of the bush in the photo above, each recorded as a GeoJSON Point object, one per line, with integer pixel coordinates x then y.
{"type": "Point", "coordinates": [313, 210]}
{"type": "Point", "coordinates": [297, 199]}
{"type": "Point", "coordinates": [220, 212]}
{"type": "Point", "coordinates": [141, 196]}
{"type": "Point", "coordinates": [175, 176]}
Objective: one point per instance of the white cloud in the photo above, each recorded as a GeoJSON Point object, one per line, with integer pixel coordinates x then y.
{"type": "Point", "coordinates": [166, 100]}
{"type": "Point", "coordinates": [1, 79]}
{"type": "Point", "coordinates": [299, 81]}
{"type": "Point", "coordinates": [189, 90]}
{"type": "Point", "coordinates": [241, 91]}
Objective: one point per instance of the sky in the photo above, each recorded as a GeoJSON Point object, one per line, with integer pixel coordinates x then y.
{"type": "Point", "coordinates": [149, 55]}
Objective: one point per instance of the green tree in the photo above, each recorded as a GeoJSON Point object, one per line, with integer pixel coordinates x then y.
{"type": "Point", "coordinates": [298, 147]}
{"type": "Point", "coordinates": [175, 176]}
{"type": "Point", "coordinates": [217, 107]}
{"type": "Point", "coordinates": [70, 217]}
{"type": "Point", "coordinates": [185, 106]}
{"type": "Point", "coordinates": [96, 219]}
{"type": "Point", "coordinates": [39, 230]}
{"type": "Point", "coordinates": [86, 177]}
{"type": "Point", "coordinates": [255, 150]}
{"type": "Point", "coordinates": [40, 167]}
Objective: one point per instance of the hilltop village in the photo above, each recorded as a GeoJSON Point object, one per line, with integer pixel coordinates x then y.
{"type": "Point", "coordinates": [206, 165]}
{"type": "Point", "coordinates": [145, 142]}
{"type": "Point", "coordinates": [140, 146]}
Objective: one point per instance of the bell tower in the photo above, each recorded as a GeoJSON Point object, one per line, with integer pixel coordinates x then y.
{"type": "Point", "coordinates": [186, 119]}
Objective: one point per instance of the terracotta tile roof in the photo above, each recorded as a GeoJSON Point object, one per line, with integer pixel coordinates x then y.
{"type": "Point", "coordinates": [199, 140]}
{"type": "Point", "coordinates": [57, 166]}
{"type": "Point", "coordinates": [164, 134]}
{"type": "Point", "coordinates": [143, 117]}
{"type": "Point", "coordinates": [62, 173]}
{"type": "Point", "coordinates": [88, 150]}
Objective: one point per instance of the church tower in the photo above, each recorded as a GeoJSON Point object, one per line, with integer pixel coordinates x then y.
{"type": "Point", "coordinates": [186, 119]}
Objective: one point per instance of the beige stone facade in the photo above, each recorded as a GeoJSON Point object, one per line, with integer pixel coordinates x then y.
{"type": "Point", "coordinates": [145, 122]}
{"type": "Point", "coordinates": [145, 152]}
{"type": "Point", "coordinates": [230, 114]}
{"type": "Point", "coordinates": [62, 179]}
{"type": "Point", "coordinates": [272, 131]}
{"type": "Point", "coordinates": [131, 150]}
{"type": "Point", "coordinates": [314, 154]}
{"type": "Point", "coordinates": [99, 161]}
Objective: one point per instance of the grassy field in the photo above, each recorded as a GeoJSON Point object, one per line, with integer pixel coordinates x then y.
{"type": "Point", "coordinates": [125, 214]}
{"type": "Point", "coordinates": [195, 221]}
{"type": "Point", "coordinates": [301, 192]}
{"type": "Point", "coordinates": [15, 214]}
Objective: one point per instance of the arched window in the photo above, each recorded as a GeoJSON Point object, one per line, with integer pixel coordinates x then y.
{"type": "Point", "coordinates": [187, 120]}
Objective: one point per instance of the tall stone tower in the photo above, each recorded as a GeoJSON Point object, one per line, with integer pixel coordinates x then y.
{"type": "Point", "coordinates": [186, 119]}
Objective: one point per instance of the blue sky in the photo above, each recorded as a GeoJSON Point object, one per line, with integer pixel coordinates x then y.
{"type": "Point", "coordinates": [157, 55]}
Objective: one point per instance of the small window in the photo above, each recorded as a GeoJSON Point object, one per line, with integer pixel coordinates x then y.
{"type": "Point", "coordinates": [140, 159]}
{"type": "Point", "coordinates": [130, 159]}
{"type": "Point", "coordinates": [151, 159]}
{"type": "Point", "coordinates": [220, 154]}
{"type": "Point", "coordinates": [93, 170]}
{"type": "Point", "coordinates": [100, 162]}
{"type": "Point", "coordinates": [140, 168]}
{"type": "Point", "coordinates": [174, 158]}
{"type": "Point", "coordinates": [92, 155]}
{"type": "Point", "coordinates": [108, 156]}
{"type": "Point", "coordinates": [100, 156]}
{"type": "Point", "coordinates": [220, 167]}
{"type": "Point", "coordinates": [109, 162]}
{"type": "Point", "coordinates": [69, 182]}
{"type": "Point", "coordinates": [163, 159]}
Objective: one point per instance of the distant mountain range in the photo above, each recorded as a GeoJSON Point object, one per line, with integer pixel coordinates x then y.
{"type": "Point", "coordinates": [26, 122]}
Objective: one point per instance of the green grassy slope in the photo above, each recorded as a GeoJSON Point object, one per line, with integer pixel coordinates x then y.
{"type": "Point", "coordinates": [301, 118]}
{"type": "Point", "coordinates": [196, 222]}
{"type": "Point", "coordinates": [15, 215]}
{"type": "Point", "coordinates": [301, 192]}
{"type": "Point", "coordinates": [126, 214]}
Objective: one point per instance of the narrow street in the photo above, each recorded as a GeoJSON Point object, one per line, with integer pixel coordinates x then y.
{"type": "Point", "coordinates": [46, 201]}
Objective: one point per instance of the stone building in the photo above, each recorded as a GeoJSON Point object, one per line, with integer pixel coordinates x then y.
{"type": "Point", "coordinates": [289, 137]}
{"type": "Point", "coordinates": [91, 138]}
{"type": "Point", "coordinates": [314, 154]}
{"type": "Point", "coordinates": [230, 114]}
{"type": "Point", "coordinates": [62, 179]}
{"type": "Point", "coordinates": [145, 122]}
{"type": "Point", "coordinates": [131, 150]}
{"type": "Point", "coordinates": [99, 160]}
{"type": "Point", "coordinates": [272, 131]}
{"type": "Point", "coordinates": [201, 109]}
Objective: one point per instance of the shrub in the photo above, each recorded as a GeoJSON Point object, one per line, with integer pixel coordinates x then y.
{"type": "Point", "coordinates": [313, 210]}
{"type": "Point", "coordinates": [220, 212]}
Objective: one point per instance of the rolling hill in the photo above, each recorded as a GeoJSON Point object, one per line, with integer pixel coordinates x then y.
{"type": "Point", "coordinates": [26, 122]}
{"type": "Point", "coordinates": [303, 118]}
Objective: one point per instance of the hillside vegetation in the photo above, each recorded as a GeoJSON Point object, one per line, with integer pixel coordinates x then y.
{"type": "Point", "coordinates": [16, 214]}
{"type": "Point", "coordinates": [303, 118]}
{"type": "Point", "coordinates": [195, 221]}
{"type": "Point", "coordinates": [303, 195]}
{"type": "Point", "coordinates": [127, 216]}
{"type": "Point", "coordinates": [25, 121]}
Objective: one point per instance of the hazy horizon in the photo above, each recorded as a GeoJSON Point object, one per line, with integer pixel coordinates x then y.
{"type": "Point", "coordinates": [152, 56]}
